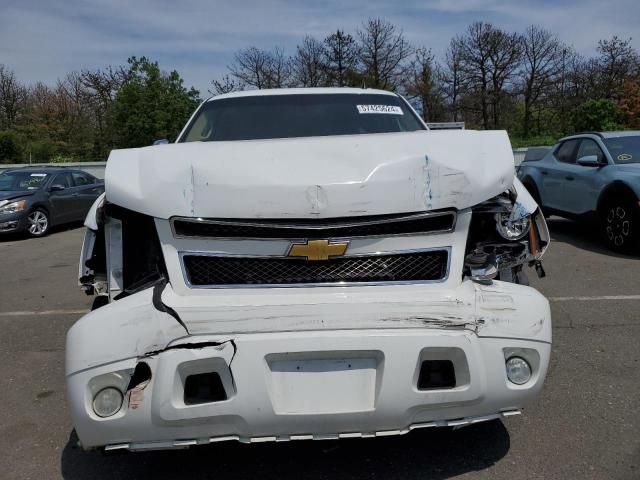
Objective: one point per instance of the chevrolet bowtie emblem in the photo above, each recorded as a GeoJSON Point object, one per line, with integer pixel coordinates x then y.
{"type": "Point", "coordinates": [315, 250]}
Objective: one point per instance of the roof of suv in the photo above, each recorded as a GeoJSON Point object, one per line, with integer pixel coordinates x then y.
{"type": "Point", "coordinates": [301, 91]}
{"type": "Point", "coordinates": [621, 133]}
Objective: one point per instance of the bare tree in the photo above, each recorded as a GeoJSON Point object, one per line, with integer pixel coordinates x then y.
{"type": "Point", "coordinates": [278, 69]}
{"type": "Point", "coordinates": [341, 57]}
{"type": "Point", "coordinates": [308, 67]}
{"type": "Point", "coordinates": [260, 68]}
{"type": "Point", "coordinates": [251, 67]}
{"type": "Point", "coordinates": [541, 69]}
{"type": "Point", "coordinates": [383, 50]}
{"type": "Point", "coordinates": [617, 60]}
{"type": "Point", "coordinates": [421, 85]}
{"type": "Point", "coordinates": [72, 98]}
{"type": "Point", "coordinates": [13, 97]}
{"type": "Point", "coordinates": [489, 59]}
{"type": "Point", "coordinates": [452, 78]}
{"type": "Point", "coordinates": [475, 65]}
{"type": "Point", "coordinates": [225, 85]}
{"type": "Point", "coordinates": [505, 51]}
{"type": "Point", "coordinates": [101, 87]}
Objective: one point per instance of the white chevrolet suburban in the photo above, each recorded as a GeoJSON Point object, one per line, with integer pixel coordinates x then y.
{"type": "Point", "coordinates": [307, 264]}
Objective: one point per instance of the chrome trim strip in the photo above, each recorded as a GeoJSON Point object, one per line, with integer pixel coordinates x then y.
{"type": "Point", "coordinates": [315, 226]}
{"type": "Point", "coordinates": [182, 254]}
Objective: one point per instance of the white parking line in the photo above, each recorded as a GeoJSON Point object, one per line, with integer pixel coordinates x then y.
{"type": "Point", "coordinates": [592, 299]}
{"type": "Point", "coordinates": [30, 313]}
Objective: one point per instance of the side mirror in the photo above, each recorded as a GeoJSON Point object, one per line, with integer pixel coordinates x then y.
{"type": "Point", "coordinates": [56, 188]}
{"type": "Point", "coordinates": [162, 141]}
{"type": "Point", "coordinates": [589, 161]}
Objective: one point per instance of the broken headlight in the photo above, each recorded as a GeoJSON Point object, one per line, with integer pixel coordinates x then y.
{"type": "Point", "coordinates": [513, 225]}
{"type": "Point", "coordinates": [506, 233]}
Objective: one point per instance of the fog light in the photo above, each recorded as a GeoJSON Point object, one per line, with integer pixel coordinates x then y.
{"type": "Point", "coordinates": [107, 402]}
{"type": "Point", "coordinates": [518, 370]}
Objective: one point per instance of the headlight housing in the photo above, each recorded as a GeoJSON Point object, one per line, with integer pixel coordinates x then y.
{"type": "Point", "coordinates": [12, 207]}
{"type": "Point", "coordinates": [512, 225]}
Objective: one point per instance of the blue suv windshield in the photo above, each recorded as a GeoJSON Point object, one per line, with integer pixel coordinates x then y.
{"type": "Point", "coordinates": [624, 149]}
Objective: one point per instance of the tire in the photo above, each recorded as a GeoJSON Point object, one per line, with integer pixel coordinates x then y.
{"type": "Point", "coordinates": [38, 223]}
{"type": "Point", "coordinates": [620, 220]}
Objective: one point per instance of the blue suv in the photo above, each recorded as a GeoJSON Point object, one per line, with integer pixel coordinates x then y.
{"type": "Point", "coordinates": [594, 174]}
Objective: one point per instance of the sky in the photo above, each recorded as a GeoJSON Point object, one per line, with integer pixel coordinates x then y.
{"type": "Point", "coordinates": [42, 40]}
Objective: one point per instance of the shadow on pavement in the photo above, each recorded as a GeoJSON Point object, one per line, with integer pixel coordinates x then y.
{"type": "Point", "coordinates": [431, 453]}
{"type": "Point", "coordinates": [581, 234]}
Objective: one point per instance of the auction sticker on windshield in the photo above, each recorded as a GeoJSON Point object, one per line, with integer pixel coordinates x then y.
{"type": "Point", "coordinates": [390, 109]}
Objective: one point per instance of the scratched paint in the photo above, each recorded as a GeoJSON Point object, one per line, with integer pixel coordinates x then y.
{"type": "Point", "coordinates": [429, 196]}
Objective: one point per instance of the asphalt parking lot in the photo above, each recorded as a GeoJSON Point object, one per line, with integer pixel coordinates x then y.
{"type": "Point", "coordinates": [585, 425]}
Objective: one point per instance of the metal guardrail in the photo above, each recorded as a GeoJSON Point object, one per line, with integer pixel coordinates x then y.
{"type": "Point", "coordinates": [97, 168]}
{"type": "Point", "coordinates": [445, 125]}
{"type": "Point", "coordinates": [94, 168]}
{"type": "Point", "coordinates": [518, 155]}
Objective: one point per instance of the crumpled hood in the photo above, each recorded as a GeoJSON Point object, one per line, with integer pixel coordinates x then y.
{"type": "Point", "coordinates": [317, 177]}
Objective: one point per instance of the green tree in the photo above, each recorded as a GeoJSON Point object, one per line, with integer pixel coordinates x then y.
{"type": "Point", "coordinates": [597, 115]}
{"type": "Point", "coordinates": [9, 151]}
{"type": "Point", "coordinates": [151, 105]}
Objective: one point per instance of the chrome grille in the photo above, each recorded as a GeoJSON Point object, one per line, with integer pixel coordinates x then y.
{"type": "Point", "coordinates": [379, 225]}
{"type": "Point", "coordinates": [212, 271]}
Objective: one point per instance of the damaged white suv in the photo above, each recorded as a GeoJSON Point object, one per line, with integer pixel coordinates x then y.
{"type": "Point", "coordinates": [307, 264]}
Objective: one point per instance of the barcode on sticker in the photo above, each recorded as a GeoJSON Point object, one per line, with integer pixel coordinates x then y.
{"type": "Point", "coordinates": [391, 109]}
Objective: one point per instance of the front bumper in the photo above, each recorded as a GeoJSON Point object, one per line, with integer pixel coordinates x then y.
{"type": "Point", "coordinates": [13, 222]}
{"type": "Point", "coordinates": [310, 383]}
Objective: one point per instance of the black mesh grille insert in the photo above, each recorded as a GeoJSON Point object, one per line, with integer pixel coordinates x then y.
{"type": "Point", "coordinates": [211, 271]}
{"type": "Point", "coordinates": [340, 227]}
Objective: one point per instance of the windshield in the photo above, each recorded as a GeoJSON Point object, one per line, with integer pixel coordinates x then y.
{"type": "Point", "coordinates": [18, 181]}
{"type": "Point", "coordinates": [300, 115]}
{"type": "Point", "coordinates": [624, 149]}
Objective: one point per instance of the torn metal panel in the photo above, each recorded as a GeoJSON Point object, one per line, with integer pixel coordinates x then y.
{"type": "Point", "coordinates": [128, 328]}
{"type": "Point", "coordinates": [132, 327]}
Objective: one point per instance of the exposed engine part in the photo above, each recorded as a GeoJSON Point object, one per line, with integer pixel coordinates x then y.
{"type": "Point", "coordinates": [506, 233]}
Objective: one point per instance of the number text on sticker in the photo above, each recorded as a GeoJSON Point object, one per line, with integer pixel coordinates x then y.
{"type": "Point", "coordinates": [390, 109]}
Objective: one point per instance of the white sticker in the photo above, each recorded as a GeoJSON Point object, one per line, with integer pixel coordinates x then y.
{"type": "Point", "coordinates": [38, 175]}
{"type": "Point", "coordinates": [390, 109]}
